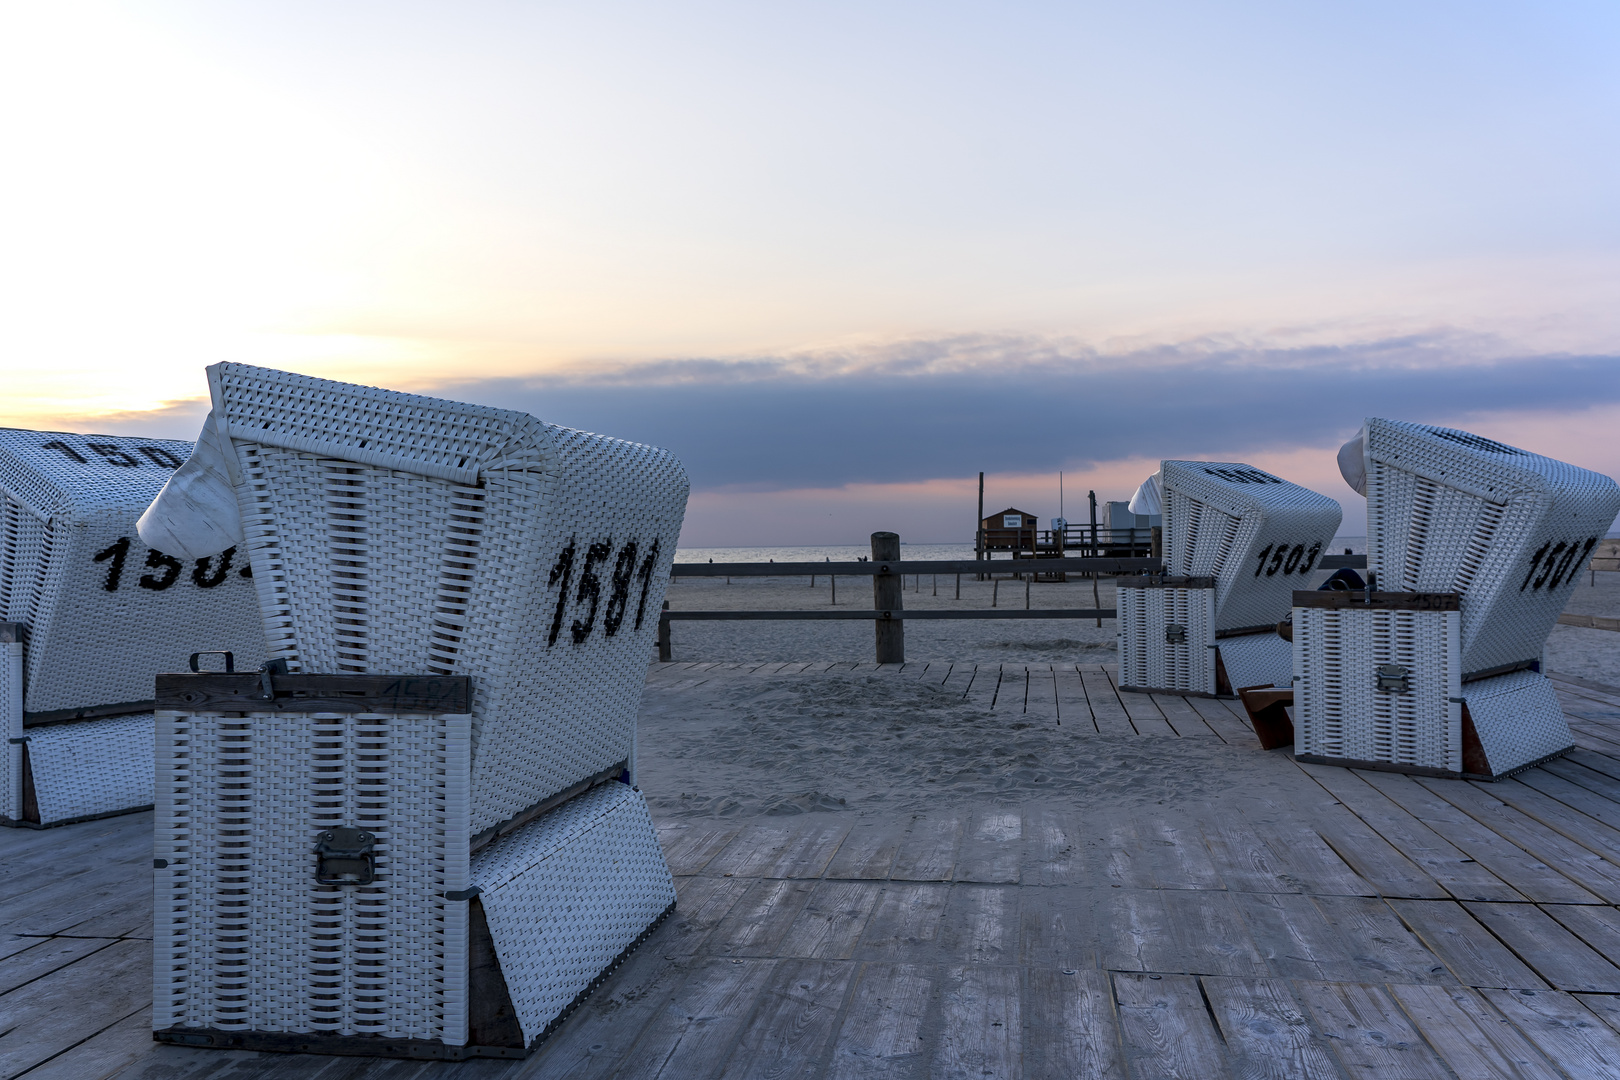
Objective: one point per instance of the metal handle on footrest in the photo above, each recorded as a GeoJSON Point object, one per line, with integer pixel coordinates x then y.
{"type": "Point", "coordinates": [230, 660]}
{"type": "Point", "coordinates": [1394, 677]}
{"type": "Point", "coordinates": [344, 856]}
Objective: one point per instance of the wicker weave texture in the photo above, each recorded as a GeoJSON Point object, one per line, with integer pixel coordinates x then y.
{"type": "Point", "coordinates": [1339, 712]}
{"type": "Point", "coordinates": [1257, 535]}
{"type": "Point", "coordinates": [427, 436]}
{"type": "Point", "coordinates": [1448, 511]}
{"type": "Point", "coordinates": [1518, 719]}
{"type": "Point", "coordinates": [538, 567]}
{"type": "Point", "coordinates": [104, 612]}
{"type": "Point", "coordinates": [91, 768]}
{"type": "Point", "coordinates": [1147, 656]}
{"type": "Point", "coordinates": [568, 893]}
{"type": "Point", "coordinates": [246, 939]}
{"type": "Point", "coordinates": [1257, 660]}
{"type": "Point", "coordinates": [11, 727]}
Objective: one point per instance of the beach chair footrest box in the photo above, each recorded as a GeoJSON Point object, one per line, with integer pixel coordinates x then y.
{"type": "Point", "coordinates": [1166, 635]}
{"type": "Point", "coordinates": [316, 887]}
{"type": "Point", "coordinates": [62, 773]}
{"type": "Point", "coordinates": [1381, 687]}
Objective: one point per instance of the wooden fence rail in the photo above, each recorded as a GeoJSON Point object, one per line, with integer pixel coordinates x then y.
{"type": "Point", "coordinates": [894, 568]}
{"type": "Point", "coordinates": [876, 568]}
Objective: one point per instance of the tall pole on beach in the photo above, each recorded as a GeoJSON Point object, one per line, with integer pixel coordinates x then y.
{"type": "Point", "coordinates": [978, 526]}
{"type": "Point", "coordinates": [1092, 496]}
{"type": "Point", "coordinates": [886, 596]}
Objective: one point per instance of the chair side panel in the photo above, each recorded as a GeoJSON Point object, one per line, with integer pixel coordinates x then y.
{"type": "Point", "coordinates": [1507, 530]}
{"type": "Point", "coordinates": [1258, 535]}
{"type": "Point", "coordinates": [116, 612]}
{"type": "Point", "coordinates": [567, 703]}
{"type": "Point", "coordinates": [545, 588]}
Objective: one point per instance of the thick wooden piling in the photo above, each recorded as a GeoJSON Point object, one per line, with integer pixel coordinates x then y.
{"type": "Point", "coordinates": [887, 590]}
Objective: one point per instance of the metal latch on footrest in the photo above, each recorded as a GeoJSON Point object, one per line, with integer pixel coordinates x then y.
{"type": "Point", "coordinates": [1175, 634]}
{"type": "Point", "coordinates": [1394, 677]}
{"type": "Point", "coordinates": [344, 856]}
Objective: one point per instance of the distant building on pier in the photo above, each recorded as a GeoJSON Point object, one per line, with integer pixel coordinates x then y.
{"type": "Point", "coordinates": [1010, 530]}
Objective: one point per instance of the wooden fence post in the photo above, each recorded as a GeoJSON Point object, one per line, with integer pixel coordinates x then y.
{"type": "Point", "coordinates": [665, 655]}
{"type": "Point", "coordinates": [887, 590]}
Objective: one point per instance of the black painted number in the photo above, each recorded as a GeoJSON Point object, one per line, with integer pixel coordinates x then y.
{"type": "Point", "coordinates": [205, 576]}
{"type": "Point", "coordinates": [67, 451]}
{"type": "Point", "coordinates": [590, 589]}
{"type": "Point", "coordinates": [1244, 476]}
{"type": "Point", "coordinates": [115, 570]}
{"type": "Point", "coordinates": [1556, 562]}
{"type": "Point", "coordinates": [586, 597]}
{"type": "Point", "coordinates": [646, 581]}
{"type": "Point", "coordinates": [113, 454]}
{"type": "Point", "coordinates": [562, 570]}
{"type": "Point", "coordinates": [208, 573]}
{"type": "Point", "coordinates": [624, 572]}
{"type": "Point", "coordinates": [1288, 560]}
{"type": "Point", "coordinates": [156, 560]}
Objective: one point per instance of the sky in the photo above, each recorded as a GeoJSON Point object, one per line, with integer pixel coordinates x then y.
{"type": "Point", "coordinates": [838, 257]}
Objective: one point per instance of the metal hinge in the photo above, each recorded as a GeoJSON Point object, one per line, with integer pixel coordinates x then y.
{"type": "Point", "coordinates": [277, 666]}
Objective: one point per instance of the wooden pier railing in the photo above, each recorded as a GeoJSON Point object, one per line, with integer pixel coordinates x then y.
{"type": "Point", "coordinates": [894, 570]}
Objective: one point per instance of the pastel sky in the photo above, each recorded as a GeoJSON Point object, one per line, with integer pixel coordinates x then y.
{"type": "Point", "coordinates": [839, 257]}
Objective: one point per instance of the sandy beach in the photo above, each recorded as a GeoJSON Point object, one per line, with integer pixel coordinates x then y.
{"type": "Point", "coordinates": [866, 743]}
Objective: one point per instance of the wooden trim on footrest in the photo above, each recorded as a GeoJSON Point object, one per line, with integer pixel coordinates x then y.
{"type": "Point", "coordinates": [1267, 707]}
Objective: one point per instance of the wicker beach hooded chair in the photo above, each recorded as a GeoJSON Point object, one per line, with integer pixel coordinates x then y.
{"type": "Point", "coordinates": [1474, 547]}
{"type": "Point", "coordinates": [89, 614]}
{"type": "Point", "coordinates": [437, 766]}
{"type": "Point", "coordinates": [1237, 542]}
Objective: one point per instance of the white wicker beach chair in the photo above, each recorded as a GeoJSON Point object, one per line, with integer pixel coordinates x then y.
{"type": "Point", "coordinates": [1249, 538]}
{"type": "Point", "coordinates": [1494, 534]}
{"type": "Point", "coordinates": [90, 615]}
{"type": "Point", "coordinates": [403, 547]}
{"type": "Point", "coordinates": [1505, 529]}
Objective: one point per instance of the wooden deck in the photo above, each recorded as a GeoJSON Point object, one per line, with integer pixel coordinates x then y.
{"type": "Point", "coordinates": [1348, 924]}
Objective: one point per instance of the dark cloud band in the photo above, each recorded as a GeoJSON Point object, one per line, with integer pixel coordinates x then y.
{"type": "Point", "coordinates": [774, 425]}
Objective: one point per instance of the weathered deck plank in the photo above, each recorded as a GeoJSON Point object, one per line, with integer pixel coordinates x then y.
{"type": "Point", "coordinates": [1165, 1028]}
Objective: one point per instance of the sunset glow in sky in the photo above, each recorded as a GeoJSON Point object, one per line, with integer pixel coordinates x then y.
{"type": "Point", "coordinates": [838, 257]}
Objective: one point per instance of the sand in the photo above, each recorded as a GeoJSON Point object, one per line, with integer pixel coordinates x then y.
{"type": "Point", "coordinates": [873, 744]}
{"type": "Point", "coordinates": [843, 741]}
{"type": "Point", "coordinates": [1078, 641]}
{"type": "Point", "coordinates": [1590, 654]}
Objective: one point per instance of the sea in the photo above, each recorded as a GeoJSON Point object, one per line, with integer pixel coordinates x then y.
{"type": "Point", "coordinates": [1357, 545]}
